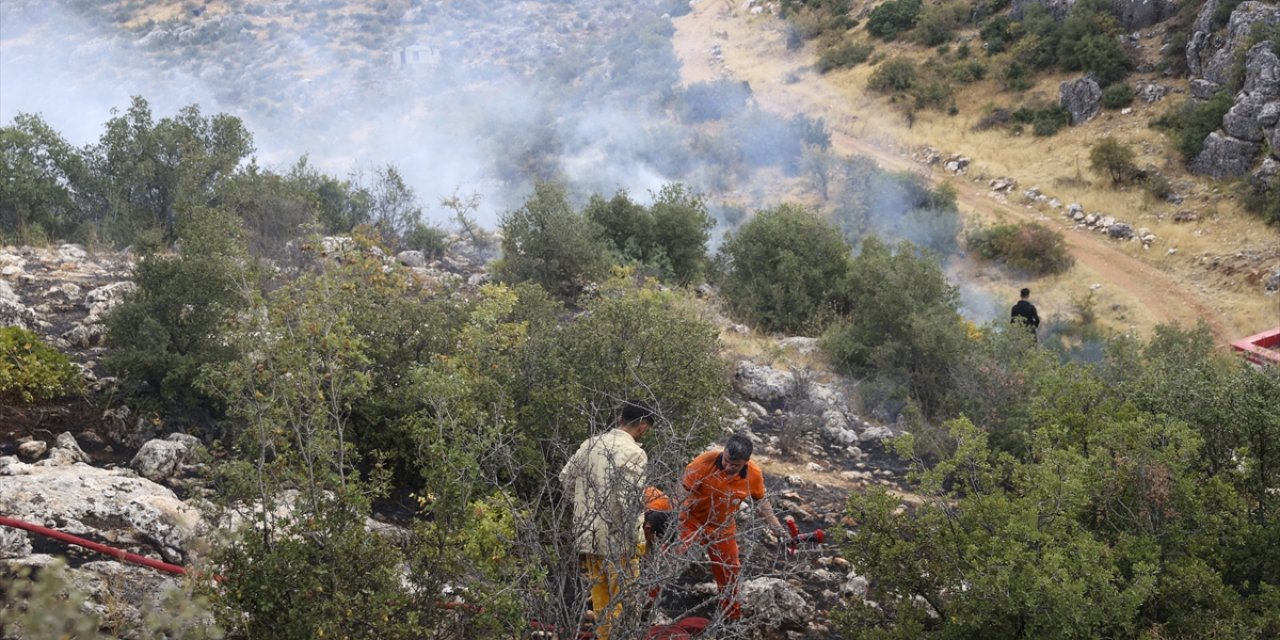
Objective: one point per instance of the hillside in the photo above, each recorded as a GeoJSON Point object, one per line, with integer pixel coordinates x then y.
{"type": "Point", "coordinates": [1220, 267]}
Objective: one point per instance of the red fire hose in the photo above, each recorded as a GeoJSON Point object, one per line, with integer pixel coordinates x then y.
{"type": "Point", "coordinates": [118, 554]}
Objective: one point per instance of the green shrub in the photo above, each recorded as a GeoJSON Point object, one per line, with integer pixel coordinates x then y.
{"type": "Point", "coordinates": [1030, 248]}
{"type": "Point", "coordinates": [894, 75]}
{"type": "Point", "coordinates": [902, 324]}
{"type": "Point", "coordinates": [784, 270]}
{"type": "Point", "coordinates": [31, 371]}
{"type": "Point", "coordinates": [1117, 96]}
{"type": "Point", "coordinates": [1113, 158]}
{"type": "Point", "coordinates": [430, 239]}
{"type": "Point", "coordinates": [716, 100]}
{"type": "Point", "coordinates": [843, 55]}
{"type": "Point", "coordinates": [1263, 198]}
{"type": "Point", "coordinates": [1191, 121]}
{"type": "Point", "coordinates": [548, 243]}
{"type": "Point", "coordinates": [1158, 186]}
{"type": "Point", "coordinates": [1015, 76]}
{"type": "Point", "coordinates": [1046, 120]}
{"type": "Point", "coordinates": [937, 23]}
{"type": "Point", "coordinates": [967, 71]}
{"type": "Point", "coordinates": [893, 17]}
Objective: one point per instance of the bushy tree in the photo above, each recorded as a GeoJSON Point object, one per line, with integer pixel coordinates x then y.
{"type": "Point", "coordinates": [1114, 159]}
{"type": "Point", "coordinates": [1027, 247]}
{"type": "Point", "coordinates": [168, 328]}
{"type": "Point", "coordinates": [144, 171]}
{"type": "Point", "coordinates": [902, 325]}
{"type": "Point", "coordinates": [894, 75]}
{"type": "Point", "coordinates": [681, 229]}
{"type": "Point", "coordinates": [39, 175]}
{"type": "Point", "coordinates": [785, 268]}
{"type": "Point", "coordinates": [890, 18]}
{"type": "Point", "coordinates": [546, 242]}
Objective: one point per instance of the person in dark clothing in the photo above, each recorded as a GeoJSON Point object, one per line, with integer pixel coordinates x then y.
{"type": "Point", "coordinates": [1026, 312]}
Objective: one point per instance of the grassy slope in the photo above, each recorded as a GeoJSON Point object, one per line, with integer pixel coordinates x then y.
{"type": "Point", "coordinates": [1139, 288]}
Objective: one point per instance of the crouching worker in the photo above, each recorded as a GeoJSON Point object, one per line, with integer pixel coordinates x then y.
{"type": "Point", "coordinates": [606, 476]}
{"type": "Point", "coordinates": [716, 484]}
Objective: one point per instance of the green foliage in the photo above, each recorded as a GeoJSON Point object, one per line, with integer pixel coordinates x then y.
{"type": "Point", "coordinates": [894, 75]}
{"type": "Point", "coordinates": [1088, 42]}
{"type": "Point", "coordinates": [1158, 186]}
{"type": "Point", "coordinates": [144, 171]}
{"type": "Point", "coordinates": [430, 239]}
{"type": "Point", "coordinates": [998, 34]}
{"type": "Point", "coordinates": [891, 18]}
{"type": "Point", "coordinates": [681, 229]}
{"type": "Point", "coordinates": [784, 270]}
{"type": "Point", "coordinates": [1263, 197]}
{"type": "Point", "coordinates": [902, 323]}
{"type": "Point", "coordinates": [38, 173]}
{"type": "Point", "coordinates": [1113, 158]}
{"type": "Point", "coordinates": [1117, 483]}
{"type": "Point", "coordinates": [548, 243]}
{"type": "Point", "coordinates": [967, 71]}
{"type": "Point", "coordinates": [1045, 120]}
{"type": "Point", "coordinates": [1191, 121]}
{"type": "Point", "coordinates": [669, 237]}
{"type": "Point", "coordinates": [1027, 247]}
{"type": "Point", "coordinates": [843, 55]}
{"type": "Point", "coordinates": [32, 372]}
{"type": "Point", "coordinates": [168, 328]}
{"type": "Point", "coordinates": [318, 575]}
{"type": "Point", "coordinates": [938, 22]}
{"type": "Point", "coordinates": [1117, 96]}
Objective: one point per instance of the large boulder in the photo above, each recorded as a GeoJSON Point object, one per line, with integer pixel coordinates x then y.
{"type": "Point", "coordinates": [1225, 157]}
{"type": "Point", "coordinates": [101, 300]}
{"type": "Point", "coordinates": [1140, 14]}
{"type": "Point", "coordinates": [101, 504]}
{"type": "Point", "coordinates": [762, 383]}
{"type": "Point", "coordinates": [1081, 97]}
{"type": "Point", "coordinates": [1262, 72]}
{"type": "Point", "coordinates": [159, 460]}
{"type": "Point", "coordinates": [1212, 54]}
{"type": "Point", "coordinates": [1242, 120]}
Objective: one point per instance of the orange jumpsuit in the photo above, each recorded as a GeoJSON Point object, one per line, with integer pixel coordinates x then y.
{"type": "Point", "coordinates": [707, 518]}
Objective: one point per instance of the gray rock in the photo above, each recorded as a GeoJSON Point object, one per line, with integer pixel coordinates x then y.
{"type": "Point", "coordinates": [1266, 177]}
{"type": "Point", "coordinates": [105, 298]}
{"type": "Point", "coordinates": [760, 383]}
{"type": "Point", "coordinates": [32, 450]}
{"type": "Point", "coordinates": [14, 543]}
{"type": "Point", "coordinates": [66, 451]}
{"type": "Point", "coordinates": [874, 433]}
{"type": "Point", "coordinates": [1212, 55]}
{"type": "Point", "coordinates": [1081, 97]}
{"type": "Point", "coordinates": [1262, 72]}
{"type": "Point", "coordinates": [1140, 14]}
{"type": "Point", "coordinates": [1204, 89]}
{"type": "Point", "coordinates": [1150, 92]}
{"type": "Point", "coordinates": [799, 343]}
{"type": "Point", "coordinates": [772, 603]}
{"type": "Point", "coordinates": [84, 336]}
{"type": "Point", "coordinates": [414, 259]}
{"type": "Point", "coordinates": [72, 253]}
{"type": "Point", "coordinates": [854, 587]}
{"type": "Point", "coordinates": [1120, 231]}
{"type": "Point", "coordinates": [158, 460]}
{"type": "Point", "coordinates": [1224, 156]}
{"type": "Point", "coordinates": [1269, 115]}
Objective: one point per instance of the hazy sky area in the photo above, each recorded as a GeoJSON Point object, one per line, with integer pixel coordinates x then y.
{"type": "Point", "coordinates": [445, 91]}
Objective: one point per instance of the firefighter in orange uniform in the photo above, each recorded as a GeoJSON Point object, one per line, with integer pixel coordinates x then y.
{"type": "Point", "coordinates": [716, 484]}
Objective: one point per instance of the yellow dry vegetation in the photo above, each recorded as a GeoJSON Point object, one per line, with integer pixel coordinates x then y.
{"type": "Point", "coordinates": [1133, 289]}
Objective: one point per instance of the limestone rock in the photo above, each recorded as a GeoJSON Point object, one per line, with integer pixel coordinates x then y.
{"type": "Point", "coordinates": [772, 603]}
{"type": "Point", "coordinates": [158, 460]}
{"type": "Point", "coordinates": [33, 449]}
{"type": "Point", "coordinates": [761, 383]}
{"type": "Point", "coordinates": [1151, 92]}
{"type": "Point", "coordinates": [414, 259]}
{"type": "Point", "coordinates": [1081, 97]}
{"type": "Point", "coordinates": [105, 298]}
{"type": "Point", "coordinates": [1224, 156]}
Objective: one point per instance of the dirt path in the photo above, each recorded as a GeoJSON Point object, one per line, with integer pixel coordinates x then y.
{"type": "Point", "coordinates": [753, 51]}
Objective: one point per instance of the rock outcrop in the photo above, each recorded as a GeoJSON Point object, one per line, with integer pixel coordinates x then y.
{"type": "Point", "coordinates": [1081, 97]}
{"type": "Point", "coordinates": [1224, 156]}
{"type": "Point", "coordinates": [1131, 14]}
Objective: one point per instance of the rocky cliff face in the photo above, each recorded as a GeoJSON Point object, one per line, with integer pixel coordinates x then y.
{"type": "Point", "coordinates": [1215, 58]}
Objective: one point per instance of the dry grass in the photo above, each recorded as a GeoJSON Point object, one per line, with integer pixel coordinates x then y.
{"type": "Point", "coordinates": [860, 121]}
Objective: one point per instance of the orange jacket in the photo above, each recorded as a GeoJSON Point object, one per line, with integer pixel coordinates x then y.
{"type": "Point", "coordinates": [712, 497]}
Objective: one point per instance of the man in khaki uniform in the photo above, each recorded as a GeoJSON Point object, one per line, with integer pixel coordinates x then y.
{"type": "Point", "coordinates": [607, 477]}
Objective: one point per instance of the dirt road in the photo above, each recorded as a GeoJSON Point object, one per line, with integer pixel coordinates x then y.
{"type": "Point", "coordinates": [753, 50]}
